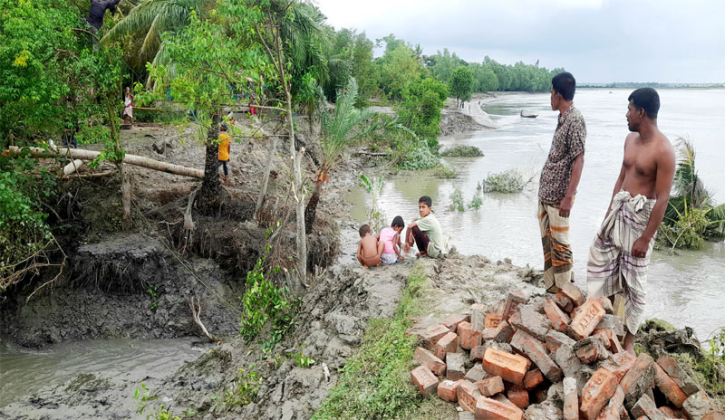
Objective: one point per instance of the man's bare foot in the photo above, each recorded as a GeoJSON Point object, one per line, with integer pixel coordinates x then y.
{"type": "Point", "coordinates": [365, 267]}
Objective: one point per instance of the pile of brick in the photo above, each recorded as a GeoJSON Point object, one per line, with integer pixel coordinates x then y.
{"type": "Point", "coordinates": [560, 352]}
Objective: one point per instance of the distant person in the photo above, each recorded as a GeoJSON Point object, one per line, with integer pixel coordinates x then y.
{"type": "Point", "coordinates": [95, 17]}
{"type": "Point", "coordinates": [390, 238]}
{"type": "Point", "coordinates": [225, 151]}
{"type": "Point", "coordinates": [559, 181]}
{"type": "Point", "coordinates": [128, 107]}
{"type": "Point", "coordinates": [369, 250]}
{"type": "Point", "coordinates": [620, 254]}
{"type": "Point", "coordinates": [426, 232]}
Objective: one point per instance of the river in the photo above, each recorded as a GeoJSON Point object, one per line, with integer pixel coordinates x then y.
{"type": "Point", "coordinates": [685, 289]}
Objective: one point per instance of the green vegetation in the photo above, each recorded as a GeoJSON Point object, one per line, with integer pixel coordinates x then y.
{"type": "Point", "coordinates": [302, 360]}
{"type": "Point", "coordinates": [146, 404]}
{"type": "Point", "coordinates": [375, 382]}
{"type": "Point", "coordinates": [507, 182]}
{"type": "Point", "coordinates": [457, 201]}
{"type": "Point", "coordinates": [420, 109]}
{"type": "Point", "coordinates": [709, 370]}
{"type": "Point", "coordinates": [245, 389]}
{"type": "Point", "coordinates": [462, 151]}
{"type": "Point", "coordinates": [153, 291]}
{"type": "Point", "coordinates": [462, 84]}
{"type": "Point", "coordinates": [374, 187]}
{"type": "Point", "coordinates": [477, 200]}
{"type": "Point", "coordinates": [691, 215]}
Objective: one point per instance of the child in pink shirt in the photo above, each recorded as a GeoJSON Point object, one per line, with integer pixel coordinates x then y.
{"type": "Point", "coordinates": [390, 238]}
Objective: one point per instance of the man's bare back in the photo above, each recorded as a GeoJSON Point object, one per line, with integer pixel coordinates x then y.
{"type": "Point", "coordinates": [641, 161]}
{"type": "Point", "coordinates": [369, 251]}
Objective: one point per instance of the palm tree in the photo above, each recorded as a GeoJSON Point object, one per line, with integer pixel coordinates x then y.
{"type": "Point", "coordinates": [339, 129]}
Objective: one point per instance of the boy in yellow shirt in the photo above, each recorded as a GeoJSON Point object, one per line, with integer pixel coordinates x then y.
{"type": "Point", "coordinates": [225, 149]}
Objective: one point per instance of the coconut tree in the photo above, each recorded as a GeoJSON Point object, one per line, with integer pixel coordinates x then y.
{"type": "Point", "coordinates": [340, 128]}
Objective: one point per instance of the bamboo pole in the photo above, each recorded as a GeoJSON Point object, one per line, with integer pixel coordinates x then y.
{"type": "Point", "coordinates": [144, 162]}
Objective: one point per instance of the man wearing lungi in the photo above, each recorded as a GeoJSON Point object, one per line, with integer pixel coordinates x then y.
{"type": "Point", "coordinates": [620, 254]}
{"type": "Point", "coordinates": [558, 183]}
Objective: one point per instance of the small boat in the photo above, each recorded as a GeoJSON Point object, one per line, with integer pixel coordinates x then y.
{"type": "Point", "coordinates": [528, 115]}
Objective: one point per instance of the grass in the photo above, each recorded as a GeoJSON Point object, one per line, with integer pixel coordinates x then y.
{"type": "Point", "coordinates": [375, 382]}
{"type": "Point", "coordinates": [507, 182]}
{"type": "Point", "coordinates": [462, 151]}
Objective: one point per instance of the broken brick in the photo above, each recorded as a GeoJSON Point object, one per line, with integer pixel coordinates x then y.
{"type": "Point", "coordinates": [696, 405]}
{"type": "Point", "coordinates": [468, 395]}
{"type": "Point", "coordinates": [504, 332]}
{"type": "Point", "coordinates": [646, 407]}
{"type": "Point", "coordinates": [478, 316]}
{"type": "Point", "coordinates": [606, 304]}
{"type": "Point", "coordinates": [559, 320]}
{"type": "Point", "coordinates": [571, 399]}
{"type": "Point", "coordinates": [488, 334]}
{"type": "Point", "coordinates": [668, 412]}
{"type": "Point", "coordinates": [430, 336]}
{"type": "Point", "coordinates": [714, 415]}
{"type": "Point", "coordinates": [612, 322]}
{"type": "Point", "coordinates": [468, 338]}
{"type": "Point", "coordinates": [451, 322]}
{"type": "Point", "coordinates": [476, 373]}
{"type": "Point", "coordinates": [613, 409]}
{"type": "Point", "coordinates": [534, 323]}
{"type": "Point", "coordinates": [532, 379]}
{"type": "Point", "coordinates": [490, 386]}
{"type": "Point", "coordinates": [677, 374]}
{"type": "Point", "coordinates": [447, 390]}
{"type": "Point", "coordinates": [590, 350]}
{"type": "Point", "coordinates": [573, 293]}
{"type": "Point", "coordinates": [567, 360]}
{"type": "Point", "coordinates": [512, 302]}
{"type": "Point", "coordinates": [611, 340]}
{"type": "Point", "coordinates": [535, 350]}
{"type": "Point", "coordinates": [447, 344]}
{"type": "Point", "coordinates": [477, 353]}
{"type": "Point", "coordinates": [455, 366]}
{"type": "Point", "coordinates": [638, 380]}
{"type": "Point", "coordinates": [429, 360]}
{"type": "Point", "coordinates": [597, 392]}
{"type": "Point", "coordinates": [586, 320]}
{"type": "Point", "coordinates": [424, 380]}
{"type": "Point", "coordinates": [519, 396]}
{"type": "Point", "coordinates": [510, 367]}
{"type": "Point", "coordinates": [668, 387]}
{"type": "Point", "coordinates": [492, 320]}
{"type": "Point", "coordinates": [619, 364]}
{"type": "Point", "coordinates": [554, 339]}
{"type": "Point", "coordinates": [488, 408]}
{"type": "Point", "coordinates": [563, 302]}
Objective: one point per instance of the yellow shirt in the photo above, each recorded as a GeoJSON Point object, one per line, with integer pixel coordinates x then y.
{"type": "Point", "coordinates": [224, 147]}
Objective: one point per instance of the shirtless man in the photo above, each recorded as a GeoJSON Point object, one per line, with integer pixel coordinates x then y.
{"type": "Point", "coordinates": [369, 251]}
{"type": "Point", "coordinates": [620, 254]}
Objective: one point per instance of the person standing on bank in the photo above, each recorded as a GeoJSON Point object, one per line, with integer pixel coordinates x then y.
{"type": "Point", "coordinates": [95, 17]}
{"type": "Point", "coordinates": [619, 256]}
{"type": "Point", "coordinates": [559, 180]}
{"type": "Point", "coordinates": [225, 151]}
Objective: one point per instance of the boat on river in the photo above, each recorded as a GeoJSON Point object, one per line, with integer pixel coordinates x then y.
{"type": "Point", "coordinates": [528, 115]}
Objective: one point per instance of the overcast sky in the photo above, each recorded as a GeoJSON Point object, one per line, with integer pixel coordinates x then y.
{"type": "Point", "coordinates": [597, 40]}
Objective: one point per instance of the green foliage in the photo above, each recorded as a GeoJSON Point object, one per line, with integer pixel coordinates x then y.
{"type": "Point", "coordinates": [374, 186]}
{"type": "Point", "coordinates": [145, 401]}
{"type": "Point", "coordinates": [462, 151]}
{"type": "Point", "coordinates": [709, 370]}
{"type": "Point", "coordinates": [457, 201]}
{"type": "Point", "coordinates": [399, 67]}
{"type": "Point", "coordinates": [153, 291]}
{"type": "Point", "coordinates": [688, 228]}
{"type": "Point", "coordinates": [95, 133]}
{"type": "Point", "coordinates": [246, 387]}
{"type": "Point", "coordinates": [506, 182]}
{"type": "Point", "coordinates": [477, 200]}
{"type": "Point", "coordinates": [417, 156]}
{"type": "Point", "coordinates": [420, 109]}
{"type": "Point", "coordinates": [375, 382]}
{"type": "Point", "coordinates": [442, 64]}
{"type": "Point", "coordinates": [462, 83]}
{"type": "Point", "coordinates": [302, 360]}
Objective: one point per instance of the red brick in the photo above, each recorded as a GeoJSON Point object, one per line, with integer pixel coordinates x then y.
{"type": "Point", "coordinates": [504, 332]}
{"type": "Point", "coordinates": [510, 367]}
{"type": "Point", "coordinates": [591, 349]}
{"type": "Point", "coordinates": [571, 399]}
{"type": "Point", "coordinates": [532, 379]}
{"type": "Point", "coordinates": [668, 412]}
{"type": "Point", "coordinates": [534, 323]}
{"type": "Point", "coordinates": [455, 366]}
{"type": "Point", "coordinates": [669, 388]}
{"type": "Point", "coordinates": [490, 409]}
{"type": "Point", "coordinates": [611, 340]}
{"type": "Point", "coordinates": [447, 390]}
{"type": "Point", "coordinates": [490, 386]}
{"type": "Point", "coordinates": [646, 407]}
{"type": "Point", "coordinates": [573, 293]}
{"type": "Point", "coordinates": [677, 374]}
{"type": "Point", "coordinates": [613, 409]}
{"type": "Point", "coordinates": [519, 396]}
{"type": "Point", "coordinates": [559, 320]}
{"type": "Point", "coordinates": [512, 302]}
{"type": "Point", "coordinates": [696, 405]}
{"type": "Point", "coordinates": [467, 337]}
{"type": "Point", "coordinates": [606, 304]}
{"type": "Point", "coordinates": [468, 395]}
{"type": "Point", "coordinates": [430, 336]}
{"type": "Point", "coordinates": [714, 415]}
{"type": "Point", "coordinates": [597, 392]}
{"type": "Point", "coordinates": [554, 340]}
{"type": "Point", "coordinates": [538, 395]}
{"type": "Point", "coordinates": [451, 322]}
{"type": "Point", "coordinates": [478, 316]}
{"type": "Point", "coordinates": [447, 344]}
{"type": "Point", "coordinates": [476, 373]}
{"type": "Point", "coordinates": [586, 320]}
{"type": "Point", "coordinates": [477, 353]}
{"type": "Point", "coordinates": [492, 320]}
{"type": "Point", "coordinates": [639, 379]}
{"type": "Point", "coordinates": [424, 380]}
{"type": "Point", "coordinates": [619, 364]}
{"type": "Point", "coordinates": [563, 302]}
{"type": "Point", "coordinates": [489, 334]}
{"type": "Point", "coordinates": [535, 350]}
{"type": "Point", "coordinates": [429, 360]}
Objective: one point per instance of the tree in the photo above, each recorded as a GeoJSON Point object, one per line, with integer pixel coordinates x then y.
{"type": "Point", "coordinates": [420, 110]}
{"type": "Point", "coordinates": [399, 67]}
{"type": "Point", "coordinates": [462, 84]}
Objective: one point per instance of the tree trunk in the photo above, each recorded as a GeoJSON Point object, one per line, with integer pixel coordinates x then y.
{"type": "Point", "coordinates": [311, 209]}
{"type": "Point", "coordinates": [267, 170]}
{"type": "Point", "coordinates": [301, 238]}
{"type": "Point", "coordinates": [144, 162]}
{"type": "Point", "coordinates": [211, 190]}
{"type": "Point", "coordinates": [125, 191]}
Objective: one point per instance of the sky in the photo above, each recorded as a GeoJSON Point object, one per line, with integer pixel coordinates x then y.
{"type": "Point", "coordinates": [599, 41]}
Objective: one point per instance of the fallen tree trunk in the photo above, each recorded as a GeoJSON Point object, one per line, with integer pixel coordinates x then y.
{"type": "Point", "coordinates": [72, 167]}
{"type": "Point", "coordinates": [144, 162]}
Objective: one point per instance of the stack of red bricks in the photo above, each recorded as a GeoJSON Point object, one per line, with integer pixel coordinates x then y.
{"type": "Point", "coordinates": [500, 362]}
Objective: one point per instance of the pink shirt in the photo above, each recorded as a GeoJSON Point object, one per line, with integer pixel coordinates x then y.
{"type": "Point", "coordinates": [386, 237]}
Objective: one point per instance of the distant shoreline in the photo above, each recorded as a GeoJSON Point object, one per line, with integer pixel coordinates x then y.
{"type": "Point", "coordinates": [654, 85]}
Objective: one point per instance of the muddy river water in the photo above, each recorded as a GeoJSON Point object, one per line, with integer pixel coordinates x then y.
{"type": "Point", "coordinates": [686, 289]}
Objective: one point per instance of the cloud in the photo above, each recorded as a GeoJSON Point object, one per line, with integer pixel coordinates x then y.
{"type": "Point", "coordinates": [598, 40]}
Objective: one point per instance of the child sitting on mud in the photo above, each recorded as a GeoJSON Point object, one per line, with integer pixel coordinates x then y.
{"type": "Point", "coordinates": [369, 251]}
{"type": "Point", "coordinates": [425, 232]}
{"type": "Point", "coordinates": [390, 238]}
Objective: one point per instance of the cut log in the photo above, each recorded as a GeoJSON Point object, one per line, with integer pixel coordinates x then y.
{"type": "Point", "coordinates": [141, 161]}
{"type": "Point", "coordinates": [72, 167]}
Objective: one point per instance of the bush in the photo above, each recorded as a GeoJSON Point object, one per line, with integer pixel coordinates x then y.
{"type": "Point", "coordinates": [507, 182]}
{"type": "Point", "coordinates": [418, 157]}
{"type": "Point", "coordinates": [462, 151]}
{"type": "Point", "coordinates": [457, 201]}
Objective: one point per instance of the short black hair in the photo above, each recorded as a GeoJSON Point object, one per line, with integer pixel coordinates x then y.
{"type": "Point", "coordinates": [364, 230]}
{"type": "Point", "coordinates": [223, 127]}
{"type": "Point", "coordinates": [565, 85]}
{"type": "Point", "coordinates": [398, 221]}
{"type": "Point", "coordinates": [648, 99]}
{"type": "Point", "coordinates": [427, 200]}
